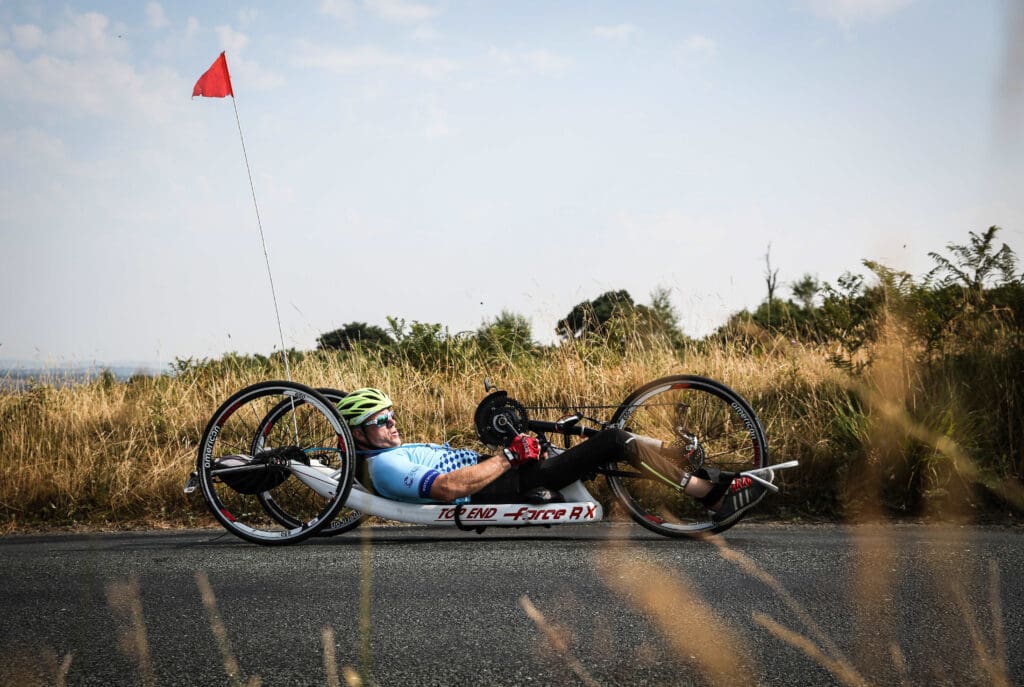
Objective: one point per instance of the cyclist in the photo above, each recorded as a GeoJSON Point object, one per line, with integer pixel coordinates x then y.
{"type": "Point", "coordinates": [426, 473]}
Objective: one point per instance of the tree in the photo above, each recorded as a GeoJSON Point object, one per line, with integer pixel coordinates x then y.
{"type": "Point", "coordinates": [771, 277]}
{"type": "Point", "coordinates": [663, 315]}
{"type": "Point", "coordinates": [509, 332]}
{"type": "Point", "coordinates": [353, 333]}
{"type": "Point", "coordinates": [424, 344]}
{"type": "Point", "coordinates": [590, 316]}
{"type": "Point", "coordinates": [806, 290]}
{"type": "Point", "coordinates": [975, 265]}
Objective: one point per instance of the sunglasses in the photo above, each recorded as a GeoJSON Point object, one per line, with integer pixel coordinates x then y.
{"type": "Point", "coordinates": [381, 420]}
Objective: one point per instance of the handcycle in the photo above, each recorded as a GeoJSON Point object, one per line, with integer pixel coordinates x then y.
{"type": "Point", "coordinates": [277, 463]}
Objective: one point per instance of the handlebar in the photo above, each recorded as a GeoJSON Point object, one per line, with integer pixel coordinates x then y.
{"type": "Point", "coordinates": [560, 428]}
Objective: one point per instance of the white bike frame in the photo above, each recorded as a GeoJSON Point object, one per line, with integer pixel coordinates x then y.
{"type": "Point", "coordinates": [580, 506]}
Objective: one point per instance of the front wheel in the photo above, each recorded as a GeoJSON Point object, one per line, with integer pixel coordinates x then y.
{"type": "Point", "coordinates": [305, 465]}
{"type": "Point", "coordinates": [703, 423]}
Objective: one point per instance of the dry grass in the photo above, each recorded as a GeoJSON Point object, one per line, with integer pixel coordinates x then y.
{"type": "Point", "coordinates": [108, 454]}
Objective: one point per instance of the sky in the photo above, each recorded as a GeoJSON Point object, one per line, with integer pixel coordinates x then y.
{"type": "Point", "coordinates": [443, 161]}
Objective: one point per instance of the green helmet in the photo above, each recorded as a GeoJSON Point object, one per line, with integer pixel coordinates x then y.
{"type": "Point", "coordinates": [360, 404]}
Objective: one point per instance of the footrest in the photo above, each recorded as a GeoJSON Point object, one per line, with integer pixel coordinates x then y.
{"type": "Point", "coordinates": [758, 474]}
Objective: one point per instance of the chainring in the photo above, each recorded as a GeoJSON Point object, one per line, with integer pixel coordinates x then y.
{"type": "Point", "coordinates": [499, 419]}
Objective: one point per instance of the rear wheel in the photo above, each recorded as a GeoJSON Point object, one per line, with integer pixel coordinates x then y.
{"type": "Point", "coordinates": [702, 423]}
{"type": "Point", "coordinates": [304, 465]}
{"type": "Point", "coordinates": [273, 431]}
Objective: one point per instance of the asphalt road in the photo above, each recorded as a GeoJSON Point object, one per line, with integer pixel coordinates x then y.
{"type": "Point", "coordinates": [590, 605]}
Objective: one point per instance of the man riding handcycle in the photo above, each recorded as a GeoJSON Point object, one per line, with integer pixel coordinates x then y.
{"type": "Point", "coordinates": [685, 455]}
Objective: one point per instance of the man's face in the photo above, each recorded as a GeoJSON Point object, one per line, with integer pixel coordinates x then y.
{"type": "Point", "coordinates": [379, 430]}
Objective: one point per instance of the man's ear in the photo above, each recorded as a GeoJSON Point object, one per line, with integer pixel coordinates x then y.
{"type": "Point", "coordinates": [359, 436]}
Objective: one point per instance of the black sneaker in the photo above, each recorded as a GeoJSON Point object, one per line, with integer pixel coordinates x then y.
{"type": "Point", "coordinates": [743, 494]}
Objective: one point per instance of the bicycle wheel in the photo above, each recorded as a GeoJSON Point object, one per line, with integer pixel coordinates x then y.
{"type": "Point", "coordinates": [306, 465]}
{"type": "Point", "coordinates": [705, 424]}
{"type": "Point", "coordinates": [269, 434]}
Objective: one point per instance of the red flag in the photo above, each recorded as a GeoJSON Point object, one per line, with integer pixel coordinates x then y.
{"type": "Point", "coordinates": [216, 82]}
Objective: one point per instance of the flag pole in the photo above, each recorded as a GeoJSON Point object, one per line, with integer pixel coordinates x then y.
{"type": "Point", "coordinates": [263, 242]}
{"type": "Point", "coordinates": [216, 83]}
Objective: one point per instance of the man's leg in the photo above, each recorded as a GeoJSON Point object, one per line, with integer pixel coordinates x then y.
{"type": "Point", "coordinates": [582, 459]}
{"type": "Point", "coordinates": [558, 471]}
{"type": "Point", "coordinates": [505, 489]}
{"type": "Point", "coordinates": [707, 485]}
{"type": "Point", "coordinates": [610, 445]}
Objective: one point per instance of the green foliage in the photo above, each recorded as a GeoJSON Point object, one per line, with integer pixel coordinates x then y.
{"type": "Point", "coordinates": [353, 334]}
{"type": "Point", "coordinates": [614, 320]}
{"type": "Point", "coordinates": [970, 298]}
{"type": "Point", "coordinates": [663, 319]}
{"type": "Point", "coordinates": [422, 344]}
{"type": "Point", "coordinates": [975, 265]}
{"type": "Point", "coordinates": [235, 363]}
{"type": "Point", "coordinates": [508, 334]}
{"type": "Point", "coordinates": [806, 290]}
{"type": "Point", "coordinates": [590, 316]}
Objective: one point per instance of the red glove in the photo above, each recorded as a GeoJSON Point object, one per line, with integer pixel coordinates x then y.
{"type": "Point", "coordinates": [523, 449]}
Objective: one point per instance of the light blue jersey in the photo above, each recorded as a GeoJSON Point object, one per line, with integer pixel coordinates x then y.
{"type": "Point", "coordinates": [406, 472]}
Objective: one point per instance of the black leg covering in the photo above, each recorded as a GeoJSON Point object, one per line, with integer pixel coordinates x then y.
{"type": "Point", "coordinates": [579, 462]}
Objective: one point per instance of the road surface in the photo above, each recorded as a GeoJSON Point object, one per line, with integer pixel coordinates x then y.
{"type": "Point", "coordinates": [607, 604]}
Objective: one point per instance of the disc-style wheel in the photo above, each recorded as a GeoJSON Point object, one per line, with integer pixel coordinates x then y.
{"type": "Point", "coordinates": [304, 465]}
{"type": "Point", "coordinates": [273, 431]}
{"type": "Point", "coordinates": [701, 423]}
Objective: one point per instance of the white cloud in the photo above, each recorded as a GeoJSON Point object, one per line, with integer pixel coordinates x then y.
{"type": "Point", "coordinates": [231, 40]}
{"type": "Point", "coordinates": [27, 36]}
{"type": "Point", "coordinates": [538, 61]}
{"type": "Point", "coordinates": [436, 123]}
{"type": "Point", "coordinates": [35, 148]}
{"type": "Point", "coordinates": [87, 34]}
{"type": "Point", "coordinates": [248, 15]}
{"type": "Point", "coordinates": [368, 58]}
{"type": "Point", "coordinates": [339, 9]}
{"type": "Point", "coordinates": [243, 69]}
{"type": "Point", "coordinates": [234, 44]}
{"type": "Point", "coordinates": [401, 11]}
{"type": "Point", "coordinates": [426, 33]}
{"type": "Point", "coordinates": [155, 16]}
{"type": "Point", "coordinates": [547, 62]}
{"type": "Point", "coordinates": [81, 68]}
{"type": "Point", "coordinates": [346, 60]}
{"type": "Point", "coordinates": [849, 12]}
{"type": "Point", "coordinates": [191, 28]}
{"type": "Point", "coordinates": [619, 32]}
{"type": "Point", "coordinates": [102, 87]}
{"type": "Point", "coordinates": [701, 45]}
{"type": "Point", "coordinates": [433, 67]}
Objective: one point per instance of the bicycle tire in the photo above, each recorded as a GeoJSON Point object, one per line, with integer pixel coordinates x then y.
{"type": "Point", "coordinates": [347, 518]}
{"type": "Point", "coordinates": [711, 424]}
{"type": "Point", "coordinates": [229, 436]}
